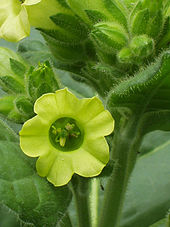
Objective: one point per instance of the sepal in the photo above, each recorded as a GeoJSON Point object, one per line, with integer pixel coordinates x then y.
{"type": "Point", "coordinates": [109, 36]}
{"type": "Point", "coordinates": [41, 80]}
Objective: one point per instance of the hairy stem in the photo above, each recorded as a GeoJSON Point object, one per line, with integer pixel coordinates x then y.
{"type": "Point", "coordinates": [93, 201]}
{"type": "Point", "coordinates": [124, 153]}
{"type": "Point", "coordinates": [80, 189]}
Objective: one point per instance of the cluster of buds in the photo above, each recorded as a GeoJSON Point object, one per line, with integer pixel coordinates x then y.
{"type": "Point", "coordinates": [22, 85]}
{"type": "Point", "coordinates": [106, 33]}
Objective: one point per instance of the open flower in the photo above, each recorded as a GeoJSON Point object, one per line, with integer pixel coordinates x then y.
{"type": "Point", "coordinates": [16, 16]}
{"type": "Point", "coordinates": [14, 23]}
{"type": "Point", "coordinates": [68, 135]}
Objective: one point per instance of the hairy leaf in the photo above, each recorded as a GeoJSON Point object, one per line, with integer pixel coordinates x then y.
{"type": "Point", "coordinates": [22, 191]}
{"type": "Point", "coordinates": [145, 96]}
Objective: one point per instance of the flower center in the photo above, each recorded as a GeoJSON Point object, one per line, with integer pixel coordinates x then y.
{"type": "Point", "coordinates": [65, 134]}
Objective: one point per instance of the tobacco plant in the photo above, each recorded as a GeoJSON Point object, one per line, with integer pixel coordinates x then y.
{"type": "Point", "coordinates": [103, 161]}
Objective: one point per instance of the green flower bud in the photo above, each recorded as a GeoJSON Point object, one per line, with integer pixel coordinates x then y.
{"type": "Point", "coordinates": [125, 55]}
{"type": "Point", "coordinates": [110, 37]}
{"type": "Point", "coordinates": [24, 106]}
{"type": "Point", "coordinates": [142, 46]}
{"type": "Point", "coordinates": [41, 80]}
{"type": "Point", "coordinates": [6, 104]}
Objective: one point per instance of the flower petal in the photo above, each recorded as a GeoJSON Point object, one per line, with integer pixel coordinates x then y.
{"type": "Point", "coordinates": [67, 102]}
{"type": "Point", "coordinates": [46, 107]}
{"type": "Point", "coordinates": [34, 137]}
{"type": "Point", "coordinates": [39, 14]}
{"type": "Point", "coordinates": [90, 107]}
{"type": "Point", "coordinates": [61, 171]}
{"type": "Point", "coordinates": [97, 148]}
{"type": "Point", "coordinates": [31, 2]}
{"type": "Point", "coordinates": [101, 125]}
{"type": "Point", "coordinates": [5, 8]}
{"type": "Point", "coordinates": [51, 106]}
{"type": "Point", "coordinates": [85, 164]}
{"type": "Point", "coordinates": [45, 162]}
{"type": "Point", "coordinates": [16, 26]}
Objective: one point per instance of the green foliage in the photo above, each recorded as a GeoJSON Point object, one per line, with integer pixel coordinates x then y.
{"type": "Point", "coordinates": [31, 198]}
{"type": "Point", "coordinates": [146, 95]}
{"type": "Point", "coordinates": [34, 51]}
{"type": "Point", "coordinates": [147, 199]}
{"type": "Point", "coordinates": [23, 84]}
{"type": "Point", "coordinates": [107, 33]}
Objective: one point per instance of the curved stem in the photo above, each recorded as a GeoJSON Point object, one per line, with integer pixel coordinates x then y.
{"type": "Point", "coordinates": [125, 146]}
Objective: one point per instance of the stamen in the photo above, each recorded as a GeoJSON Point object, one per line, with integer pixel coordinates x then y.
{"type": "Point", "coordinates": [62, 141]}
{"type": "Point", "coordinates": [65, 134]}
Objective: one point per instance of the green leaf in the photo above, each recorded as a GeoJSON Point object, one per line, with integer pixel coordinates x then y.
{"type": "Point", "coordinates": [153, 140]}
{"type": "Point", "coordinates": [118, 12]}
{"type": "Point", "coordinates": [64, 52]}
{"type": "Point", "coordinates": [161, 223]}
{"type": "Point", "coordinates": [95, 16]}
{"type": "Point", "coordinates": [72, 26]}
{"type": "Point", "coordinates": [22, 191]}
{"type": "Point", "coordinates": [140, 22]}
{"type": "Point", "coordinates": [11, 85]}
{"type": "Point", "coordinates": [145, 96]}
{"type": "Point", "coordinates": [7, 218]}
{"type": "Point", "coordinates": [24, 106]}
{"type": "Point", "coordinates": [17, 67]}
{"type": "Point", "coordinates": [155, 25]}
{"type": "Point", "coordinates": [147, 199]}
{"type": "Point", "coordinates": [34, 51]}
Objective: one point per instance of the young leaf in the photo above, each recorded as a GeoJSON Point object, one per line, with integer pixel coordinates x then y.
{"type": "Point", "coordinates": [17, 67]}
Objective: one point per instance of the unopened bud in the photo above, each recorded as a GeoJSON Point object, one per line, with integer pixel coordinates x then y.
{"type": "Point", "coordinates": [142, 46]}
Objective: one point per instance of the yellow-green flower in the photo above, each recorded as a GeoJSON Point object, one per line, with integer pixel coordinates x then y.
{"type": "Point", "coordinates": [16, 16]}
{"type": "Point", "coordinates": [68, 135]}
{"type": "Point", "coordinates": [14, 23]}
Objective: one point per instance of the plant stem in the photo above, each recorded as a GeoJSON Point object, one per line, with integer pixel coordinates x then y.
{"type": "Point", "coordinates": [80, 190]}
{"type": "Point", "coordinates": [125, 146]}
{"type": "Point", "coordinates": [93, 201]}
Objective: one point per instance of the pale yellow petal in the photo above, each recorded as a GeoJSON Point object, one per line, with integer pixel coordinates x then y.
{"type": "Point", "coordinates": [90, 108]}
{"type": "Point", "coordinates": [31, 2]}
{"type": "Point", "coordinates": [61, 171]}
{"type": "Point", "coordinates": [16, 26]}
{"type": "Point", "coordinates": [98, 148]}
{"type": "Point", "coordinates": [85, 164]}
{"type": "Point", "coordinates": [56, 105]}
{"type": "Point", "coordinates": [101, 125]}
{"type": "Point", "coordinates": [45, 162]}
{"type": "Point", "coordinates": [46, 107]}
{"type": "Point", "coordinates": [34, 139]}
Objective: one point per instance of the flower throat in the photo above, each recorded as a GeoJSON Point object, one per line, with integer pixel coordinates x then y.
{"type": "Point", "coordinates": [65, 134]}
